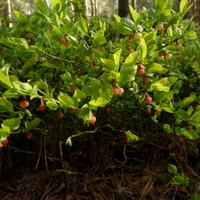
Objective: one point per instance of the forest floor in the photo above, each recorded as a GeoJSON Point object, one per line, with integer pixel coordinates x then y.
{"type": "Point", "coordinates": [91, 170]}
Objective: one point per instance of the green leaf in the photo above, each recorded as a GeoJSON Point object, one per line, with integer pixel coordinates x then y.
{"type": "Point", "coordinates": [134, 14]}
{"type": "Point", "coordinates": [188, 100]}
{"type": "Point", "coordinates": [5, 105]}
{"type": "Point", "coordinates": [142, 47]}
{"type": "Point", "coordinates": [190, 110]}
{"type": "Point", "coordinates": [5, 79]}
{"type": "Point", "coordinates": [131, 135]}
{"type": "Point", "coordinates": [178, 85]}
{"type": "Point", "coordinates": [85, 113]}
{"type": "Point", "coordinates": [183, 5]}
{"type": "Point", "coordinates": [116, 57]}
{"type": "Point", "coordinates": [88, 90]}
{"type": "Point", "coordinates": [128, 69]}
{"type": "Point", "coordinates": [156, 68]}
{"type": "Point", "coordinates": [83, 25]}
{"type": "Point", "coordinates": [56, 4]}
{"type": "Point", "coordinates": [65, 100]}
{"type": "Point", "coordinates": [196, 66]}
{"type": "Point", "coordinates": [32, 124]}
{"type": "Point", "coordinates": [120, 27]}
{"type": "Point", "coordinates": [177, 73]}
{"type": "Point", "coordinates": [20, 17]}
{"type": "Point", "coordinates": [166, 108]}
{"type": "Point", "coordinates": [163, 97]}
{"type": "Point", "coordinates": [195, 197]}
{"type": "Point", "coordinates": [4, 134]}
{"type": "Point", "coordinates": [172, 169]}
{"type": "Point", "coordinates": [195, 118]}
{"type": "Point", "coordinates": [180, 180]}
{"type": "Point", "coordinates": [99, 102]}
{"type": "Point", "coordinates": [56, 20]}
{"type": "Point", "coordinates": [127, 24]}
{"type": "Point", "coordinates": [167, 128]}
{"type": "Point", "coordinates": [49, 65]}
{"type": "Point", "coordinates": [99, 38]}
{"type": "Point", "coordinates": [174, 18]}
{"type": "Point", "coordinates": [182, 114]}
{"type": "Point", "coordinates": [66, 77]}
{"type": "Point", "coordinates": [68, 141]}
{"type": "Point", "coordinates": [102, 96]}
{"type": "Point", "coordinates": [79, 95]}
{"type": "Point", "coordinates": [127, 74]}
{"type": "Point", "coordinates": [167, 81]}
{"type": "Point", "coordinates": [22, 88]}
{"type": "Point", "coordinates": [191, 135]}
{"type": "Point", "coordinates": [11, 93]}
{"type": "Point", "coordinates": [149, 36]}
{"type": "Point", "coordinates": [110, 64]}
{"type": "Point", "coordinates": [159, 87]}
{"type": "Point", "coordinates": [51, 104]}
{"type": "Point", "coordinates": [12, 123]}
{"type": "Point", "coordinates": [191, 35]}
{"type": "Point", "coordinates": [42, 6]}
{"type": "Point", "coordinates": [132, 58]}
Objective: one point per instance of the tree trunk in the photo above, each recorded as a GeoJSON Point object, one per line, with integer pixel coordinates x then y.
{"type": "Point", "coordinates": [123, 8]}
{"type": "Point", "coordinates": [95, 7]}
{"type": "Point", "coordinates": [9, 13]}
{"type": "Point", "coordinates": [86, 8]}
{"type": "Point", "coordinates": [92, 7]}
{"type": "Point", "coordinates": [134, 4]}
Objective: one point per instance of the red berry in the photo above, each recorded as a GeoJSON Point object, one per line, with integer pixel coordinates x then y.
{"type": "Point", "coordinates": [148, 99]}
{"type": "Point", "coordinates": [131, 51]}
{"type": "Point", "coordinates": [115, 91]}
{"type": "Point", "coordinates": [148, 111]}
{"type": "Point", "coordinates": [183, 189]}
{"type": "Point", "coordinates": [180, 139]}
{"type": "Point", "coordinates": [101, 48]}
{"type": "Point", "coordinates": [120, 91]}
{"type": "Point", "coordinates": [157, 112]}
{"type": "Point", "coordinates": [41, 59]}
{"type": "Point", "coordinates": [168, 56]}
{"type": "Point", "coordinates": [145, 79]}
{"type": "Point", "coordinates": [189, 127]}
{"type": "Point", "coordinates": [82, 57]}
{"type": "Point", "coordinates": [108, 109]}
{"type": "Point", "coordinates": [29, 135]}
{"type": "Point", "coordinates": [161, 57]}
{"type": "Point", "coordinates": [60, 115]}
{"type": "Point", "coordinates": [127, 139]}
{"type": "Point", "coordinates": [24, 104]}
{"type": "Point", "coordinates": [42, 106]}
{"type": "Point", "coordinates": [34, 59]}
{"type": "Point", "coordinates": [172, 137]}
{"type": "Point", "coordinates": [197, 76]}
{"type": "Point", "coordinates": [160, 27]}
{"type": "Point", "coordinates": [92, 56]}
{"type": "Point", "coordinates": [71, 110]}
{"type": "Point", "coordinates": [92, 120]}
{"type": "Point", "coordinates": [178, 46]}
{"type": "Point", "coordinates": [128, 42]}
{"type": "Point", "coordinates": [94, 64]}
{"type": "Point", "coordinates": [63, 40]}
{"type": "Point", "coordinates": [140, 70]}
{"type": "Point", "coordinates": [73, 89]}
{"type": "Point", "coordinates": [5, 142]}
{"type": "Point", "coordinates": [137, 36]}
